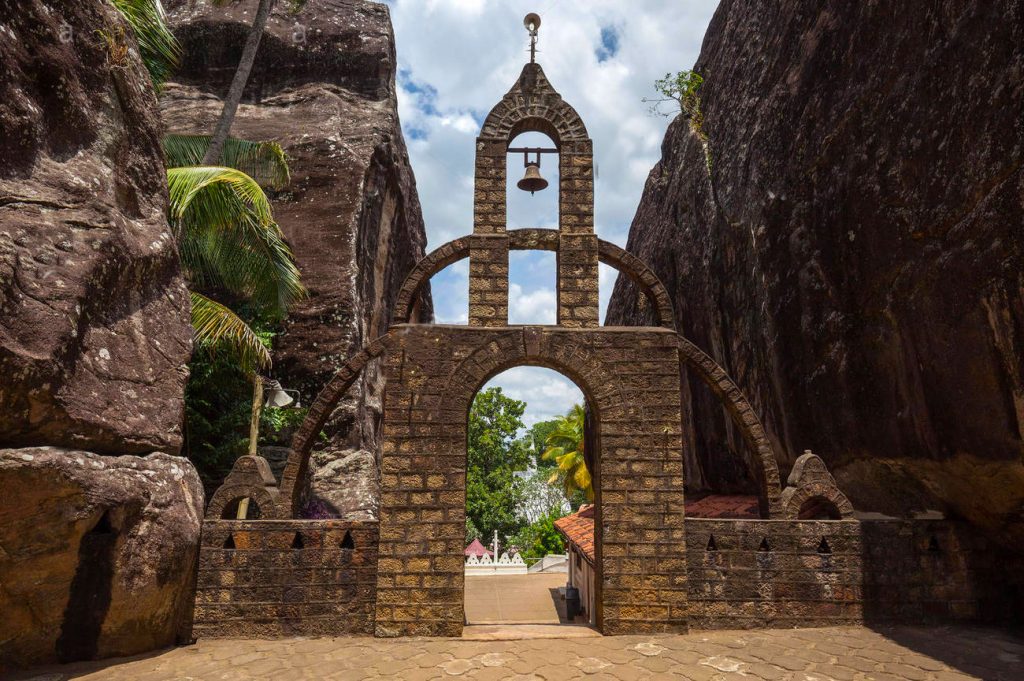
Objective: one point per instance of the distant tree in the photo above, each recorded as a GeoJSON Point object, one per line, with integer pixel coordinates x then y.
{"type": "Point", "coordinates": [540, 537]}
{"type": "Point", "coordinates": [494, 495]}
{"type": "Point", "coordinates": [534, 441]}
{"type": "Point", "coordinates": [541, 498]}
{"type": "Point", "coordinates": [565, 447]}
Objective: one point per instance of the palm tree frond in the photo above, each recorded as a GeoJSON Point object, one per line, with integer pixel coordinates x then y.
{"type": "Point", "coordinates": [186, 183]}
{"type": "Point", "coordinates": [265, 162]}
{"type": "Point", "coordinates": [159, 49]}
{"type": "Point", "coordinates": [217, 328]}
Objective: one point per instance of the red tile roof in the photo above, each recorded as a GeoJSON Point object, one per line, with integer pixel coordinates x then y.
{"type": "Point", "coordinates": [723, 506]}
{"type": "Point", "coordinates": [476, 549]}
{"type": "Point", "coordinates": [578, 529]}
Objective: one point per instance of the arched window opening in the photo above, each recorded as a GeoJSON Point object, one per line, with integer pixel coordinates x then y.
{"type": "Point", "coordinates": [242, 508]}
{"type": "Point", "coordinates": [530, 488]}
{"type": "Point", "coordinates": [539, 208]}
{"type": "Point", "coordinates": [819, 508]}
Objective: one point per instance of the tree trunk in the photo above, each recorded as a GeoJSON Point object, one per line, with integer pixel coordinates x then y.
{"type": "Point", "coordinates": [234, 96]}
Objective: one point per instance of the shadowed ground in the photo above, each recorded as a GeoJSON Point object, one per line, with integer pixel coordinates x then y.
{"type": "Point", "coordinates": [840, 653]}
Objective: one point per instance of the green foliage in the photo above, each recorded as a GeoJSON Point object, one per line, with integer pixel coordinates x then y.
{"type": "Point", "coordinates": [472, 532]}
{"type": "Point", "coordinates": [219, 330]}
{"type": "Point", "coordinates": [494, 495]}
{"type": "Point", "coordinates": [540, 538]}
{"type": "Point", "coordinates": [683, 88]}
{"type": "Point", "coordinates": [264, 162]}
{"type": "Point", "coordinates": [218, 403]}
{"type": "Point", "coordinates": [565, 448]}
{"type": "Point", "coordinates": [158, 48]}
{"type": "Point", "coordinates": [228, 239]}
{"type": "Point", "coordinates": [534, 441]}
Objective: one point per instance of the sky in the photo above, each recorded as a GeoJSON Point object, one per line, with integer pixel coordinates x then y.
{"type": "Point", "coordinates": [457, 58]}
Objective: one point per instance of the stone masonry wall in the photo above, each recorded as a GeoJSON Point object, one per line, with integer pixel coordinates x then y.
{"type": "Point", "coordinates": [286, 578]}
{"type": "Point", "coordinates": [765, 573]}
{"type": "Point", "coordinates": [631, 380]}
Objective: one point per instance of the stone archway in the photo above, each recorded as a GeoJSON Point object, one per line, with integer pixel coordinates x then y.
{"type": "Point", "coordinates": [631, 379]}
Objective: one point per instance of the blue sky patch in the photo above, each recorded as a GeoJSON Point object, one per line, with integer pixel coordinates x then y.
{"type": "Point", "coordinates": [609, 46]}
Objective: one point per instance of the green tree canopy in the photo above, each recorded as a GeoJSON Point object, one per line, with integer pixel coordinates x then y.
{"type": "Point", "coordinates": [494, 495]}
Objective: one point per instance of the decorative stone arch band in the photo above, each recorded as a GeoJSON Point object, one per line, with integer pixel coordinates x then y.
{"type": "Point", "coordinates": [321, 409]}
{"type": "Point", "coordinates": [540, 240]}
{"type": "Point", "coordinates": [743, 415]}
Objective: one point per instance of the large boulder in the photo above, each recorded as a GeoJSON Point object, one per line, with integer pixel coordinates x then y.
{"type": "Point", "coordinates": [97, 553]}
{"type": "Point", "coordinates": [849, 247]}
{"type": "Point", "coordinates": [95, 337]}
{"type": "Point", "coordinates": [323, 86]}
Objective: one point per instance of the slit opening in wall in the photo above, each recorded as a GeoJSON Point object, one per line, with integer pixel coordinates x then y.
{"type": "Point", "coordinates": [823, 546]}
{"type": "Point", "coordinates": [297, 542]}
{"type": "Point", "coordinates": [347, 543]}
{"type": "Point", "coordinates": [229, 543]}
{"type": "Point", "coordinates": [712, 546]}
{"type": "Point", "coordinates": [765, 546]}
{"type": "Point", "coordinates": [933, 545]}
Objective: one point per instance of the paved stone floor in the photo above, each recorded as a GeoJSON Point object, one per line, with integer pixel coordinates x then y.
{"type": "Point", "coordinates": [514, 598]}
{"type": "Point", "coordinates": [844, 654]}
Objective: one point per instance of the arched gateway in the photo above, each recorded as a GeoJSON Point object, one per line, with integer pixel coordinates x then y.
{"type": "Point", "coordinates": [403, 575]}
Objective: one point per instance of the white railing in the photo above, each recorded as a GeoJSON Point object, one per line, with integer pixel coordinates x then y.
{"type": "Point", "coordinates": [503, 566]}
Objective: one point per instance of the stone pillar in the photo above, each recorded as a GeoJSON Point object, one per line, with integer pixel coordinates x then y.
{"type": "Point", "coordinates": [577, 249]}
{"type": "Point", "coordinates": [488, 256]}
{"type": "Point", "coordinates": [488, 280]}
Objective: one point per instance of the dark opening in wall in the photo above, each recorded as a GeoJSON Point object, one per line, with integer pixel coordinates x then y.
{"type": "Point", "coordinates": [297, 542]}
{"type": "Point", "coordinates": [823, 546]}
{"type": "Point", "coordinates": [251, 510]}
{"type": "Point", "coordinates": [229, 543]}
{"type": "Point", "coordinates": [89, 598]}
{"type": "Point", "coordinates": [819, 508]}
{"type": "Point", "coordinates": [765, 546]}
{"type": "Point", "coordinates": [712, 546]}
{"type": "Point", "coordinates": [347, 542]}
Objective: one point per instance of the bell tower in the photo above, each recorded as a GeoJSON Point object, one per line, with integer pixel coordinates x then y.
{"type": "Point", "coordinates": [533, 105]}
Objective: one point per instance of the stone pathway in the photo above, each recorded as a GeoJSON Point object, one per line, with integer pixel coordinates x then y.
{"type": "Point", "coordinates": [843, 654]}
{"type": "Point", "coordinates": [514, 598]}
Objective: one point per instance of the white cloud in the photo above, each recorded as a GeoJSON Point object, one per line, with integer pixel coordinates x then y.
{"type": "Point", "coordinates": [457, 58]}
{"type": "Point", "coordinates": [547, 393]}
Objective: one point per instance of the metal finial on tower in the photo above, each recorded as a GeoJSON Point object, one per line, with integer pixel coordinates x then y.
{"type": "Point", "coordinates": [532, 23]}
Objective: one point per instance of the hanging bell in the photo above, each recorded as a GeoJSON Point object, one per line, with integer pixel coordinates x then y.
{"type": "Point", "coordinates": [532, 180]}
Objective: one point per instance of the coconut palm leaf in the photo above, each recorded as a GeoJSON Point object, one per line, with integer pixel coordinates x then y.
{"type": "Point", "coordinates": [159, 50]}
{"type": "Point", "coordinates": [218, 329]}
{"type": "Point", "coordinates": [227, 237]}
{"type": "Point", "coordinates": [565, 448]}
{"type": "Point", "coordinates": [265, 162]}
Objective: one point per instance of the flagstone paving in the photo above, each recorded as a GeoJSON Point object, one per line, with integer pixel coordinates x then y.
{"type": "Point", "coordinates": [842, 654]}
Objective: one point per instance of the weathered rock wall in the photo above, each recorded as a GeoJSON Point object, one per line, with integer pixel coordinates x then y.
{"type": "Point", "coordinates": [323, 87]}
{"type": "Point", "coordinates": [98, 553]}
{"type": "Point", "coordinates": [854, 255]}
{"type": "Point", "coordinates": [95, 336]}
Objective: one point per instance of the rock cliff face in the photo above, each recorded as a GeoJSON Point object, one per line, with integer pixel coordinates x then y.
{"type": "Point", "coordinates": [98, 553]}
{"type": "Point", "coordinates": [323, 87]}
{"type": "Point", "coordinates": [95, 335]}
{"type": "Point", "coordinates": [854, 254]}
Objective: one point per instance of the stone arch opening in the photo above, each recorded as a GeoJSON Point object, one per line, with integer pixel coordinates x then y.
{"type": "Point", "coordinates": [819, 508]}
{"type": "Point", "coordinates": [241, 508]}
{"type": "Point", "coordinates": [508, 494]}
{"type": "Point", "coordinates": [647, 283]}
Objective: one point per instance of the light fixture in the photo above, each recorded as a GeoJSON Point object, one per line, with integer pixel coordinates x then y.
{"type": "Point", "coordinates": [279, 397]}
